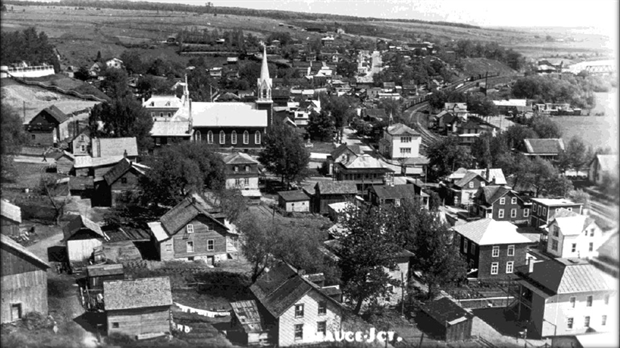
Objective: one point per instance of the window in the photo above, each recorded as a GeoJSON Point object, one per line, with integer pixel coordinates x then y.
{"type": "Point", "coordinates": [246, 137]}
{"type": "Point", "coordinates": [556, 230]}
{"type": "Point", "coordinates": [511, 250]}
{"type": "Point", "coordinates": [152, 114]}
{"type": "Point", "coordinates": [494, 267]}
{"type": "Point", "coordinates": [210, 244]}
{"type": "Point", "coordinates": [604, 320]}
{"type": "Point", "coordinates": [210, 137]}
{"type": "Point", "coordinates": [606, 299]}
{"type": "Point", "coordinates": [247, 168]}
{"type": "Point", "coordinates": [33, 137]}
{"type": "Point", "coordinates": [299, 311]}
{"type": "Point", "coordinates": [500, 213]}
{"type": "Point", "coordinates": [509, 266]}
{"type": "Point", "coordinates": [526, 212]}
{"type": "Point", "coordinates": [482, 184]}
{"type": "Point", "coordinates": [534, 208]}
{"type": "Point", "coordinates": [591, 247]}
{"type": "Point", "coordinates": [513, 213]}
{"type": "Point", "coordinates": [322, 307]}
{"type": "Point", "coordinates": [569, 209]}
{"type": "Point", "coordinates": [572, 302]}
{"type": "Point", "coordinates": [513, 200]}
{"type": "Point", "coordinates": [168, 247]}
{"type": "Point", "coordinates": [16, 311]}
{"type": "Point", "coordinates": [502, 201]}
{"type": "Point", "coordinates": [161, 114]}
{"type": "Point", "coordinates": [495, 251]}
{"type": "Point", "coordinates": [190, 247]}
{"type": "Point", "coordinates": [115, 325]}
{"type": "Point", "coordinates": [321, 327]}
{"type": "Point", "coordinates": [83, 148]}
{"type": "Point", "coordinates": [592, 232]}
{"type": "Point", "coordinates": [544, 211]}
{"type": "Point", "coordinates": [233, 137]}
{"type": "Point", "coordinates": [464, 245]}
{"type": "Point", "coordinates": [222, 137]}
{"type": "Point", "coordinates": [257, 137]}
{"type": "Point", "coordinates": [299, 331]}
{"type": "Point", "coordinates": [405, 150]}
{"type": "Point", "coordinates": [586, 321]}
{"type": "Point", "coordinates": [190, 228]}
{"type": "Point", "coordinates": [573, 247]}
{"type": "Point", "coordinates": [554, 244]}
{"type": "Point", "coordinates": [472, 248]}
{"type": "Point", "coordinates": [198, 136]}
{"type": "Point", "coordinates": [246, 181]}
{"type": "Point", "coordinates": [123, 180]}
{"type": "Point", "coordinates": [235, 169]}
{"type": "Point", "coordinates": [405, 139]}
{"type": "Point", "coordinates": [589, 301]}
{"type": "Point", "coordinates": [471, 184]}
{"type": "Point", "coordinates": [569, 325]}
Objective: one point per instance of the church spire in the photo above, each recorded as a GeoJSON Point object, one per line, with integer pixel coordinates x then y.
{"type": "Point", "coordinates": [264, 81]}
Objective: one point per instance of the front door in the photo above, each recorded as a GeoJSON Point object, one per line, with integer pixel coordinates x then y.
{"type": "Point", "coordinates": [16, 311]}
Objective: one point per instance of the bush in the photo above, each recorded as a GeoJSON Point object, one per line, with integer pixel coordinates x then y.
{"type": "Point", "coordinates": [36, 320]}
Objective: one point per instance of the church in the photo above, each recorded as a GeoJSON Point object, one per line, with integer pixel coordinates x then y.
{"type": "Point", "coordinates": [229, 125]}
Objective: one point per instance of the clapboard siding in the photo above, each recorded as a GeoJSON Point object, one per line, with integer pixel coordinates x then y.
{"type": "Point", "coordinates": [81, 245]}
{"type": "Point", "coordinates": [205, 229]}
{"type": "Point", "coordinates": [9, 227]}
{"type": "Point", "coordinates": [287, 321]}
{"type": "Point", "coordinates": [134, 322]}
{"type": "Point", "coordinates": [14, 263]}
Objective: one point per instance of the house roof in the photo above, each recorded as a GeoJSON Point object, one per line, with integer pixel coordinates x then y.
{"type": "Point", "coordinates": [10, 211]}
{"type": "Point", "coordinates": [543, 146]}
{"type": "Point", "coordinates": [239, 158]}
{"type": "Point", "coordinates": [356, 149]}
{"type": "Point", "coordinates": [565, 276]}
{"type": "Point", "coordinates": [445, 311]}
{"type": "Point", "coordinates": [376, 113]}
{"type": "Point", "coordinates": [490, 194]}
{"type": "Point", "coordinates": [105, 269]}
{"type": "Point", "coordinates": [493, 173]}
{"type": "Point", "coordinates": [336, 187]}
{"type": "Point", "coordinates": [469, 176]}
{"type": "Point", "coordinates": [122, 167]}
{"type": "Point", "coordinates": [491, 232]}
{"type": "Point", "coordinates": [81, 183]}
{"type": "Point", "coordinates": [571, 223]}
{"type": "Point", "coordinates": [227, 115]}
{"type": "Point", "coordinates": [393, 192]}
{"type": "Point", "coordinates": [55, 112]}
{"type": "Point", "coordinates": [610, 247]}
{"type": "Point", "coordinates": [294, 196]}
{"type": "Point", "coordinates": [400, 129]}
{"type": "Point", "coordinates": [555, 202]}
{"type": "Point", "coordinates": [110, 147]}
{"type": "Point", "coordinates": [171, 128]}
{"type": "Point", "coordinates": [184, 212]}
{"type": "Point", "coordinates": [138, 293]}
{"type": "Point", "coordinates": [162, 101]}
{"type": "Point", "coordinates": [10, 243]}
{"type": "Point", "coordinates": [608, 163]}
{"type": "Point", "coordinates": [511, 102]}
{"type": "Point", "coordinates": [88, 162]}
{"type": "Point", "coordinates": [364, 161]}
{"type": "Point", "coordinates": [79, 222]}
{"type": "Point", "coordinates": [248, 315]}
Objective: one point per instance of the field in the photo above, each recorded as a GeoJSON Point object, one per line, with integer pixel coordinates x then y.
{"type": "Point", "coordinates": [480, 66]}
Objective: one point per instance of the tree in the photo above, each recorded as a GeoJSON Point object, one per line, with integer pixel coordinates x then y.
{"type": "Point", "coordinates": [538, 173]}
{"type": "Point", "coordinates": [481, 150]}
{"type": "Point", "coordinates": [558, 186]}
{"type": "Point", "coordinates": [123, 117]}
{"type": "Point", "coordinates": [341, 108]}
{"type": "Point", "coordinates": [446, 156]}
{"type": "Point", "coordinates": [285, 154]}
{"type": "Point", "coordinates": [579, 196]}
{"type": "Point", "coordinates": [364, 252]}
{"type": "Point", "coordinates": [545, 127]}
{"type": "Point", "coordinates": [515, 134]}
{"type": "Point", "coordinates": [321, 126]}
{"type": "Point", "coordinates": [392, 108]}
{"type": "Point", "coordinates": [82, 74]}
{"type": "Point", "coordinates": [478, 103]}
{"type": "Point", "coordinates": [12, 139]}
{"type": "Point", "coordinates": [578, 153]}
{"type": "Point", "coordinates": [50, 187]}
{"type": "Point", "coordinates": [346, 68]}
{"type": "Point", "coordinates": [115, 83]}
{"type": "Point", "coordinates": [180, 169]}
{"type": "Point", "coordinates": [132, 59]}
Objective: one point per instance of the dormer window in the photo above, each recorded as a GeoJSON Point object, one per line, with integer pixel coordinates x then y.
{"type": "Point", "coordinates": [189, 228]}
{"type": "Point", "coordinates": [247, 168]}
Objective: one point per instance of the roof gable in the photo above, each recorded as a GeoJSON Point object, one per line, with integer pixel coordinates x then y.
{"type": "Point", "coordinates": [10, 243]}
{"type": "Point", "coordinates": [544, 146]}
{"type": "Point", "coordinates": [10, 211]}
{"type": "Point", "coordinates": [353, 149]}
{"type": "Point", "coordinates": [565, 276]}
{"type": "Point", "coordinates": [491, 232]}
{"type": "Point", "coordinates": [400, 129]}
{"type": "Point", "coordinates": [184, 212]}
{"type": "Point", "coordinates": [81, 222]}
{"type": "Point", "coordinates": [469, 176]}
{"type": "Point", "coordinates": [55, 113]}
{"type": "Point", "coordinates": [294, 196]}
{"type": "Point", "coordinates": [239, 158]}
{"type": "Point", "coordinates": [139, 293]}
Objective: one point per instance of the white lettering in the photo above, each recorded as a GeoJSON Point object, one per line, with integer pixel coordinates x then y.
{"type": "Point", "coordinates": [359, 336]}
{"type": "Point", "coordinates": [349, 336]}
{"type": "Point", "coordinates": [381, 336]}
{"type": "Point", "coordinates": [329, 337]}
{"type": "Point", "coordinates": [372, 335]}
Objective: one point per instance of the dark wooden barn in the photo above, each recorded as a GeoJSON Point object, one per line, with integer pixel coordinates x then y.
{"type": "Point", "coordinates": [24, 281]}
{"type": "Point", "coordinates": [97, 274]}
{"type": "Point", "coordinates": [446, 320]}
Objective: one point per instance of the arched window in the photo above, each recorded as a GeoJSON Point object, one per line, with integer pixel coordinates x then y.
{"type": "Point", "coordinates": [222, 137]}
{"type": "Point", "coordinates": [210, 137]}
{"type": "Point", "coordinates": [233, 137]}
{"type": "Point", "coordinates": [197, 136]}
{"type": "Point", "coordinates": [257, 137]}
{"type": "Point", "coordinates": [246, 137]}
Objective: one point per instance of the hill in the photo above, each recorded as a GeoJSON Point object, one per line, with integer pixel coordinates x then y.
{"type": "Point", "coordinates": [480, 66]}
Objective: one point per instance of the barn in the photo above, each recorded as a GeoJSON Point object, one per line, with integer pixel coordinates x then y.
{"type": "Point", "coordinates": [10, 218]}
{"type": "Point", "coordinates": [139, 308]}
{"type": "Point", "coordinates": [446, 320]}
{"type": "Point", "coordinates": [24, 281]}
{"type": "Point", "coordinates": [82, 236]}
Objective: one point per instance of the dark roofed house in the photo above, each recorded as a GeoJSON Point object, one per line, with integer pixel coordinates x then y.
{"type": "Point", "coordinates": [395, 194]}
{"type": "Point", "coordinates": [97, 274]}
{"type": "Point", "coordinates": [602, 165]}
{"type": "Point", "coordinates": [446, 320]}
{"type": "Point", "coordinates": [342, 153]}
{"type": "Point", "coordinates": [111, 147]}
{"type": "Point", "coordinates": [328, 192]}
{"type": "Point", "coordinates": [248, 326]}
{"type": "Point", "coordinates": [139, 308]}
{"type": "Point", "coordinates": [48, 127]}
{"type": "Point", "coordinates": [501, 203]}
{"type": "Point", "coordinates": [376, 114]}
{"type": "Point", "coordinates": [294, 201]}
{"type": "Point", "coordinates": [119, 180]}
{"type": "Point", "coordinates": [547, 149]}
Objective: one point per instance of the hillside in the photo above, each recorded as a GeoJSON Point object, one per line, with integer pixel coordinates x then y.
{"type": "Point", "coordinates": [480, 66]}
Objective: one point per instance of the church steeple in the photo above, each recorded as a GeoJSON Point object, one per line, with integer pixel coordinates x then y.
{"type": "Point", "coordinates": [264, 81]}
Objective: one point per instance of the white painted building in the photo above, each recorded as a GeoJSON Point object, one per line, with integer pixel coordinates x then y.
{"type": "Point", "coordinates": [573, 235]}
{"type": "Point", "coordinates": [400, 141]}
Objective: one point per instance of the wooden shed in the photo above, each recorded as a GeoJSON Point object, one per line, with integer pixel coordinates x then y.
{"type": "Point", "coordinates": [294, 201]}
{"type": "Point", "coordinates": [97, 274]}
{"type": "Point", "coordinates": [247, 326]}
{"type": "Point", "coordinates": [139, 308]}
{"type": "Point", "coordinates": [446, 320]}
{"type": "Point", "coordinates": [24, 281]}
{"type": "Point", "coordinates": [10, 218]}
{"type": "Point", "coordinates": [82, 236]}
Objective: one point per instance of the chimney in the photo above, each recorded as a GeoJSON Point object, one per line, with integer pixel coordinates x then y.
{"type": "Point", "coordinates": [125, 154]}
{"type": "Point", "coordinates": [487, 174]}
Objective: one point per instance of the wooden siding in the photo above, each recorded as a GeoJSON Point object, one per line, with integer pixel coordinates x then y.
{"type": "Point", "coordinates": [14, 263]}
{"type": "Point", "coordinates": [100, 171]}
{"type": "Point", "coordinates": [134, 322]}
{"type": "Point", "coordinates": [28, 289]}
{"type": "Point", "coordinates": [204, 230]}
{"type": "Point", "coordinates": [300, 206]}
{"type": "Point", "coordinates": [41, 138]}
{"type": "Point", "coordinates": [166, 251]}
{"type": "Point", "coordinates": [8, 227]}
{"type": "Point", "coordinates": [81, 249]}
{"type": "Point", "coordinates": [485, 259]}
{"type": "Point", "coordinates": [287, 321]}
{"type": "Point", "coordinates": [323, 201]}
{"type": "Point", "coordinates": [64, 165]}
{"type": "Point", "coordinates": [118, 187]}
{"type": "Point", "coordinates": [77, 145]}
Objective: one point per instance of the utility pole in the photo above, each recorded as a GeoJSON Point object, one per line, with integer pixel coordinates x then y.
{"type": "Point", "coordinates": [486, 87]}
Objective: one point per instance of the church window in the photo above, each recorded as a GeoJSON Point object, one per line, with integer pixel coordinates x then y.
{"type": "Point", "coordinates": [246, 137]}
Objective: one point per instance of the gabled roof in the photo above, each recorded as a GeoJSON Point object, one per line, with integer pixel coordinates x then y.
{"type": "Point", "coordinates": [610, 248]}
{"type": "Point", "coordinates": [355, 149]}
{"type": "Point", "coordinates": [469, 176]}
{"type": "Point", "coordinates": [171, 129]}
{"type": "Point", "coordinates": [567, 276]}
{"type": "Point", "coordinates": [571, 223]}
{"type": "Point", "coordinates": [206, 114]}
{"type": "Point", "coordinates": [543, 146]}
{"type": "Point", "coordinates": [81, 183]}
{"type": "Point", "coordinates": [10, 243]}
{"type": "Point", "coordinates": [55, 112]}
{"type": "Point", "coordinates": [393, 192]}
{"type": "Point", "coordinates": [376, 113]}
{"type": "Point", "coordinates": [445, 311]}
{"type": "Point", "coordinates": [294, 196]}
{"type": "Point", "coordinates": [336, 187]}
{"type": "Point", "coordinates": [139, 293]}
{"type": "Point", "coordinates": [79, 222]}
{"type": "Point", "coordinates": [400, 129]}
{"type": "Point", "coordinates": [490, 194]}
{"type": "Point", "coordinates": [364, 161]}
{"type": "Point", "coordinates": [10, 211]}
{"type": "Point", "coordinates": [184, 212]}
{"type": "Point", "coordinates": [248, 315]}
{"type": "Point", "coordinates": [487, 174]}
{"type": "Point", "coordinates": [121, 168]}
{"type": "Point", "coordinates": [491, 232]}
{"type": "Point", "coordinates": [109, 147]}
{"type": "Point", "coordinates": [105, 269]}
{"type": "Point", "coordinates": [239, 158]}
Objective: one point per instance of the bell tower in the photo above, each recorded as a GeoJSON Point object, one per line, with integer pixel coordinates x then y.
{"type": "Point", "coordinates": [263, 87]}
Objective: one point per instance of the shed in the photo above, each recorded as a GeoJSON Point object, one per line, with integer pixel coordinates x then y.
{"type": "Point", "coordinates": [249, 326]}
{"type": "Point", "coordinates": [446, 320]}
{"type": "Point", "coordinates": [82, 237]}
{"type": "Point", "coordinates": [139, 308]}
{"type": "Point", "coordinates": [10, 218]}
{"type": "Point", "coordinates": [294, 201]}
{"type": "Point", "coordinates": [97, 274]}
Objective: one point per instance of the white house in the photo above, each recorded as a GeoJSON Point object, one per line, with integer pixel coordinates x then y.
{"type": "Point", "coordinates": [573, 235]}
{"type": "Point", "coordinates": [602, 165]}
{"type": "Point", "coordinates": [114, 63]}
{"type": "Point", "coordinates": [400, 141]}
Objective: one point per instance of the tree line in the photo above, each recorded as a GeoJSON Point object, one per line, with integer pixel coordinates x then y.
{"type": "Point", "coordinates": [27, 46]}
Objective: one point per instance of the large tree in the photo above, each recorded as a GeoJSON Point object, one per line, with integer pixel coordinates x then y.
{"type": "Point", "coordinates": [446, 156]}
{"type": "Point", "coordinates": [342, 109]}
{"type": "Point", "coordinates": [321, 126]}
{"type": "Point", "coordinates": [123, 117]}
{"type": "Point", "coordinates": [545, 127]}
{"type": "Point", "coordinates": [478, 103]}
{"type": "Point", "coordinates": [285, 154]}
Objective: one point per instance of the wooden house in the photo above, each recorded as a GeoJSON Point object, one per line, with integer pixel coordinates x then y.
{"type": "Point", "coordinates": [501, 203]}
{"type": "Point", "coordinates": [10, 218]}
{"type": "Point", "coordinates": [365, 170]}
{"type": "Point", "coordinates": [328, 192]}
{"type": "Point", "coordinates": [241, 171]}
{"type": "Point", "coordinates": [81, 144]}
{"type": "Point", "coordinates": [547, 149]}
{"type": "Point", "coordinates": [447, 321]}
{"type": "Point", "coordinates": [120, 179]}
{"type": "Point", "coordinates": [48, 127]}
{"type": "Point", "coordinates": [342, 154]}
{"type": "Point", "coordinates": [294, 201]}
{"type": "Point", "coordinates": [97, 274]}
{"type": "Point", "coordinates": [139, 308]}
{"type": "Point", "coordinates": [189, 231]}
{"type": "Point", "coordinates": [24, 281]}
{"type": "Point", "coordinates": [82, 236]}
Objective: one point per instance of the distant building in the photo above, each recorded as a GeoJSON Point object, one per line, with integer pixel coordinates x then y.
{"type": "Point", "coordinates": [342, 154]}
{"type": "Point", "coordinates": [547, 149]}
{"type": "Point", "coordinates": [82, 236]}
{"type": "Point", "coordinates": [400, 141]}
{"type": "Point", "coordinates": [48, 127]}
{"type": "Point", "coordinates": [120, 180]}
{"type": "Point", "coordinates": [543, 209]}
{"type": "Point", "coordinates": [364, 170]}
{"type": "Point", "coordinates": [602, 165]}
{"type": "Point", "coordinates": [241, 171]}
{"type": "Point", "coordinates": [501, 203]}
{"type": "Point", "coordinates": [607, 259]}
{"type": "Point", "coordinates": [328, 192]}
{"type": "Point", "coordinates": [446, 320]}
{"type": "Point", "coordinates": [294, 201]}
{"type": "Point", "coordinates": [573, 235]}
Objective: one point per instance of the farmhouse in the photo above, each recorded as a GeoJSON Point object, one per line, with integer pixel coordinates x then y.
{"type": "Point", "coordinates": [139, 308]}
{"type": "Point", "coordinates": [573, 235]}
{"type": "Point", "coordinates": [119, 180]}
{"type": "Point", "coordinates": [24, 281]}
{"type": "Point", "coordinates": [48, 127]}
{"type": "Point", "coordinates": [10, 218]}
{"type": "Point", "coordinates": [501, 203]}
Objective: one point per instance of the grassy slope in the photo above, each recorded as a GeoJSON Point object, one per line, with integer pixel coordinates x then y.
{"type": "Point", "coordinates": [476, 66]}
